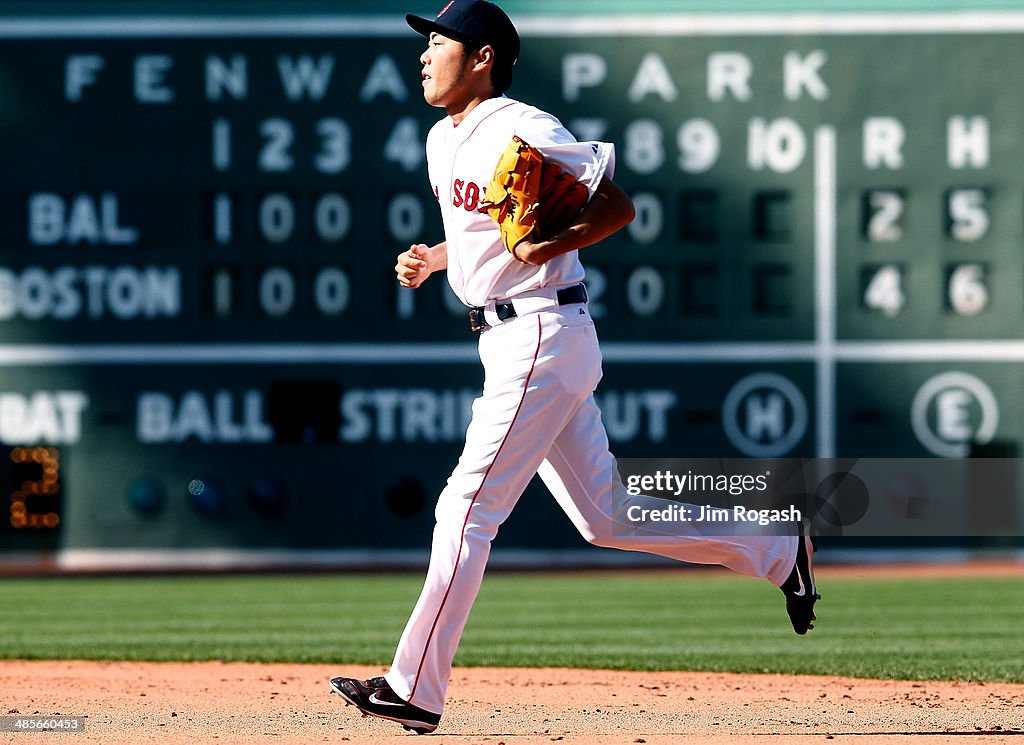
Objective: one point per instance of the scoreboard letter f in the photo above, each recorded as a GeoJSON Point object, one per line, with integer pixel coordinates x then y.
{"type": "Point", "coordinates": [79, 71]}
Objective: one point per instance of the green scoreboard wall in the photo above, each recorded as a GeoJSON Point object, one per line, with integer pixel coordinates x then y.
{"type": "Point", "coordinates": [203, 344]}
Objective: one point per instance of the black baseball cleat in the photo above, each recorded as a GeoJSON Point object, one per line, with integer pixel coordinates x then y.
{"type": "Point", "coordinates": [375, 698]}
{"type": "Point", "coordinates": [799, 588]}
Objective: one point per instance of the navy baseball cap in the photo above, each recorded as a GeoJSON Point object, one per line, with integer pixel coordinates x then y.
{"type": "Point", "coordinates": [474, 21]}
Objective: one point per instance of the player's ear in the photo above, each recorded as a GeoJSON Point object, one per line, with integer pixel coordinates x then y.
{"type": "Point", "coordinates": [484, 56]}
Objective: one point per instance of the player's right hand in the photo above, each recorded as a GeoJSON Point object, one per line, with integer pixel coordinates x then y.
{"type": "Point", "coordinates": [412, 268]}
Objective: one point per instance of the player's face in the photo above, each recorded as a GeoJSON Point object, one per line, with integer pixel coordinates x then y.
{"type": "Point", "coordinates": [446, 78]}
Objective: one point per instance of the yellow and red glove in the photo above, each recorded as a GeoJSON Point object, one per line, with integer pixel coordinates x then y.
{"type": "Point", "coordinates": [530, 197]}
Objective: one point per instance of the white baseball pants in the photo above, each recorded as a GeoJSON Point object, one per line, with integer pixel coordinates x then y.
{"type": "Point", "coordinates": [537, 415]}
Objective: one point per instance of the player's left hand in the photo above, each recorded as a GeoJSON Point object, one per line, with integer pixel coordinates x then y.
{"type": "Point", "coordinates": [534, 253]}
{"type": "Point", "coordinates": [608, 210]}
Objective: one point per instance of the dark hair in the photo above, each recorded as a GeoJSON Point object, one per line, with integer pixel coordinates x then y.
{"type": "Point", "coordinates": [501, 72]}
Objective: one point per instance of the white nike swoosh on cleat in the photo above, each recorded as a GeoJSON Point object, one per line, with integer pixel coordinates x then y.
{"type": "Point", "coordinates": [375, 700]}
{"type": "Point", "coordinates": [803, 590]}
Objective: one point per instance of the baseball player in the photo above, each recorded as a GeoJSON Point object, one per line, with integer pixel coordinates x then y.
{"type": "Point", "coordinates": [541, 360]}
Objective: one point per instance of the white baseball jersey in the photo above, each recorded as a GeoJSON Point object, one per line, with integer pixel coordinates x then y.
{"type": "Point", "coordinates": [536, 414]}
{"type": "Point", "coordinates": [460, 164]}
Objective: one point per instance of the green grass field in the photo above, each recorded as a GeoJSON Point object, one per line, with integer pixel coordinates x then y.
{"type": "Point", "coordinates": [917, 629]}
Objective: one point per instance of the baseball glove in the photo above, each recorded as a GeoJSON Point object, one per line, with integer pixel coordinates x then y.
{"type": "Point", "coordinates": [530, 196]}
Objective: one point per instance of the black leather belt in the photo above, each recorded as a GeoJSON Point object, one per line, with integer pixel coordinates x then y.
{"type": "Point", "coordinates": [505, 310]}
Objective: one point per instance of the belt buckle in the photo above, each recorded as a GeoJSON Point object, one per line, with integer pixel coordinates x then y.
{"type": "Point", "coordinates": [476, 319]}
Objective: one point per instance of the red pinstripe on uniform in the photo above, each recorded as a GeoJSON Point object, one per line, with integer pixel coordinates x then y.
{"type": "Point", "coordinates": [430, 636]}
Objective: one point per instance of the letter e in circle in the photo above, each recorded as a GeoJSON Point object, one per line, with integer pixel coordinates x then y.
{"type": "Point", "coordinates": [951, 411]}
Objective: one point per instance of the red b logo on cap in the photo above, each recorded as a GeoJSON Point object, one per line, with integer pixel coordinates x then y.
{"type": "Point", "coordinates": [452, 2]}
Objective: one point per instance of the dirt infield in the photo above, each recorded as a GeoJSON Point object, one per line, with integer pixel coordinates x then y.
{"type": "Point", "coordinates": [243, 703]}
{"type": "Point", "coordinates": [254, 703]}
